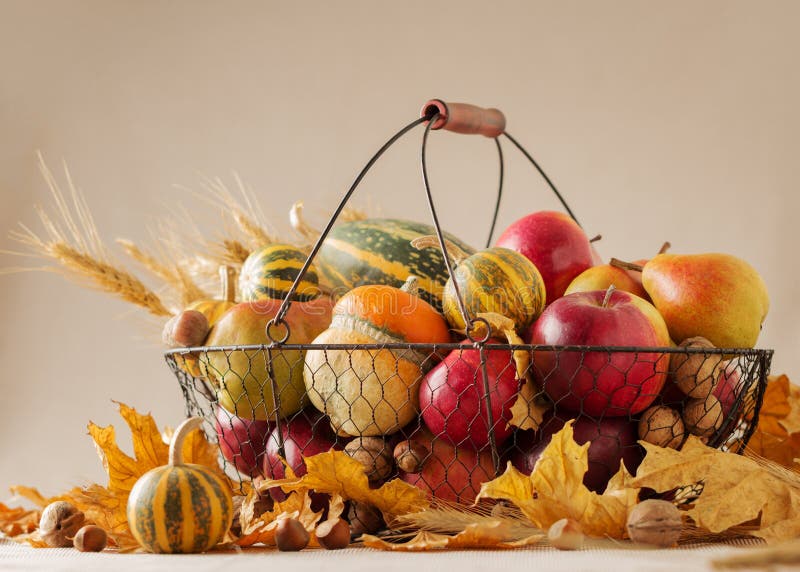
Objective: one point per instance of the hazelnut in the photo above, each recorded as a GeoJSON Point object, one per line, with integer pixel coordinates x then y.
{"type": "Point", "coordinates": [703, 417]}
{"type": "Point", "coordinates": [566, 534]}
{"type": "Point", "coordinates": [90, 538]}
{"type": "Point", "coordinates": [187, 329]}
{"type": "Point", "coordinates": [410, 456]}
{"type": "Point", "coordinates": [364, 519]}
{"type": "Point", "coordinates": [333, 534]}
{"type": "Point", "coordinates": [655, 522]}
{"type": "Point", "coordinates": [291, 535]}
{"type": "Point", "coordinates": [695, 374]}
{"type": "Point", "coordinates": [662, 426]}
{"type": "Point", "coordinates": [374, 453]}
{"type": "Point", "coordinates": [60, 522]}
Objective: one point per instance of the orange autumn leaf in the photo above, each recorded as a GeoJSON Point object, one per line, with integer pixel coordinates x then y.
{"type": "Point", "coordinates": [493, 535]}
{"type": "Point", "coordinates": [335, 472]}
{"type": "Point", "coordinates": [16, 521]}
{"type": "Point", "coordinates": [777, 435]}
{"type": "Point", "coordinates": [555, 490]}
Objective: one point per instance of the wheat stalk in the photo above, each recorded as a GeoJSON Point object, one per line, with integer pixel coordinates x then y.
{"type": "Point", "coordinates": [72, 240]}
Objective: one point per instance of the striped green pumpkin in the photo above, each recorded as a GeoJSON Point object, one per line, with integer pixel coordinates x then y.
{"type": "Point", "coordinates": [378, 251]}
{"type": "Point", "coordinates": [269, 273]}
{"type": "Point", "coordinates": [179, 508]}
{"type": "Point", "coordinates": [496, 280]}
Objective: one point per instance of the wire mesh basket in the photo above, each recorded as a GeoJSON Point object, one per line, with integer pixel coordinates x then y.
{"type": "Point", "coordinates": [446, 416]}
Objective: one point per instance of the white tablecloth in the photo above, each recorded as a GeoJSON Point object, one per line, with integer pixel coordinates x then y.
{"type": "Point", "coordinates": [18, 557]}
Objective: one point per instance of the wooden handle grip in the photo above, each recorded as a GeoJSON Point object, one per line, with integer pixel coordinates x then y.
{"type": "Point", "coordinates": [465, 118]}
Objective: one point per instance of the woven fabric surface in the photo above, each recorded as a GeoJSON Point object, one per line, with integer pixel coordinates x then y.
{"type": "Point", "coordinates": [697, 558]}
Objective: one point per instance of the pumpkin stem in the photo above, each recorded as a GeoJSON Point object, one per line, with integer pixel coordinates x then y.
{"type": "Point", "coordinates": [626, 265]}
{"type": "Point", "coordinates": [299, 224]}
{"type": "Point", "coordinates": [411, 285]}
{"type": "Point", "coordinates": [664, 247]}
{"type": "Point", "coordinates": [432, 241]}
{"type": "Point", "coordinates": [176, 443]}
{"type": "Point", "coordinates": [227, 280]}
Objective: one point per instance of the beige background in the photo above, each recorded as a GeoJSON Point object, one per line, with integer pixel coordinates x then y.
{"type": "Point", "coordinates": [659, 120]}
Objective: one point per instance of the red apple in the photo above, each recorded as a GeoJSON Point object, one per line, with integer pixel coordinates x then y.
{"type": "Point", "coordinates": [728, 386]}
{"type": "Point", "coordinates": [613, 439]}
{"type": "Point", "coordinates": [601, 383]}
{"type": "Point", "coordinates": [452, 397]}
{"type": "Point", "coordinates": [306, 434]}
{"type": "Point", "coordinates": [555, 244]}
{"type": "Point", "coordinates": [448, 472]}
{"type": "Point", "coordinates": [242, 441]}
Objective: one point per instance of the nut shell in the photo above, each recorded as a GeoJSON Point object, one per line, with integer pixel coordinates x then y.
{"type": "Point", "coordinates": [662, 426]}
{"type": "Point", "coordinates": [59, 523]}
{"type": "Point", "coordinates": [655, 522]}
{"type": "Point", "coordinates": [375, 454]}
{"type": "Point", "coordinates": [364, 519]}
{"type": "Point", "coordinates": [90, 538]}
{"type": "Point", "coordinates": [703, 417]}
{"type": "Point", "coordinates": [695, 374]}
{"type": "Point", "coordinates": [333, 534]}
{"type": "Point", "coordinates": [291, 535]}
{"type": "Point", "coordinates": [410, 456]}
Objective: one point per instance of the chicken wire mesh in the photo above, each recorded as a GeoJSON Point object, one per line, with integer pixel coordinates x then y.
{"type": "Point", "coordinates": [450, 427]}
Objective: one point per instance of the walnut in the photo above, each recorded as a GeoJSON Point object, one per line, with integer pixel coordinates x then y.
{"type": "Point", "coordinates": [375, 454]}
{"type": "Point", "coordinates": [662, 426]}
{"type": "Point", "coordinates": [364, 519]}
{"type": "Point", "coordinates": [60, 523]}
{"type": "Point", "coordinates": [703, 417]}
{"type": "Point", "coordinates": [655, 522]}
{"type": "Point", "coordinates": [695, 374]}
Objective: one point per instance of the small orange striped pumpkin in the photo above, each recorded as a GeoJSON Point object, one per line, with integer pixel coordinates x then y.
{"type": "Point", "coordinates": [180, 507]}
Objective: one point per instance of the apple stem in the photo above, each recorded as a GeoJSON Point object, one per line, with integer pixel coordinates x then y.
{"type": "Point", "coordinates": [596, 238]}
{"type": "Point", "coordinates": [176, 443]}
{"type": "Point", "coordinates": [664, 247]}
{"type": "Point", "coordinates": [626, 265]}
{"type": "Point", "coordinates": [607, 297]}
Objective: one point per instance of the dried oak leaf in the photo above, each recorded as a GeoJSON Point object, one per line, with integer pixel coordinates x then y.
{"type": "Point", "coordinates": [494, 534]}
{"type": "Point", "coordinates": [262, 530]}
{"type": "Point", "coordinates": [777, 436]}
{"type": "Point", "coordinates": [106, 505]}
{"type": "Point", "coordinates": [555, 490]}
{"type": "Point", "coordinates": [736, 488]}
{"type": "Point", "coordinates": [335, 472]}
{"type": "Point", "coordinates": [17, 521]}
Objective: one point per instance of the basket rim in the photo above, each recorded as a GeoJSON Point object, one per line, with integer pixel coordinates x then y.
{"type": "Point", "coordinates": [433, 348]}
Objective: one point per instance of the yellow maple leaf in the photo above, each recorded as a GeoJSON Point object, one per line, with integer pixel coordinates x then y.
{"type": "Point", "coordinates": [335, 472]}
{"type": "Point", "coordinates": [262, 530]}
{"type": "Point", "coordinates": [555, 490]}
{"type": "Point", "coordinates": [736, 490]}
{"type": "Point", "coordinates": [17, 521]}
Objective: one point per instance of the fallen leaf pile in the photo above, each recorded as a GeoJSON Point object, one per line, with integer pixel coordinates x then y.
{"type": "Point", "coordinates": [494, 535]}
{"type": "Point", "coordinates": [777, 436]}
{"type": "Point", "coordinates": [106, 505]}
{"type": "Point", "coordinates": [736, 489]}
{"type": "Point", "coordinates": [555, 490]}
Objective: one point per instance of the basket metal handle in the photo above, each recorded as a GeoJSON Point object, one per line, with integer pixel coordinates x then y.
{"type": "Point", "coordinates": [457, 117]}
